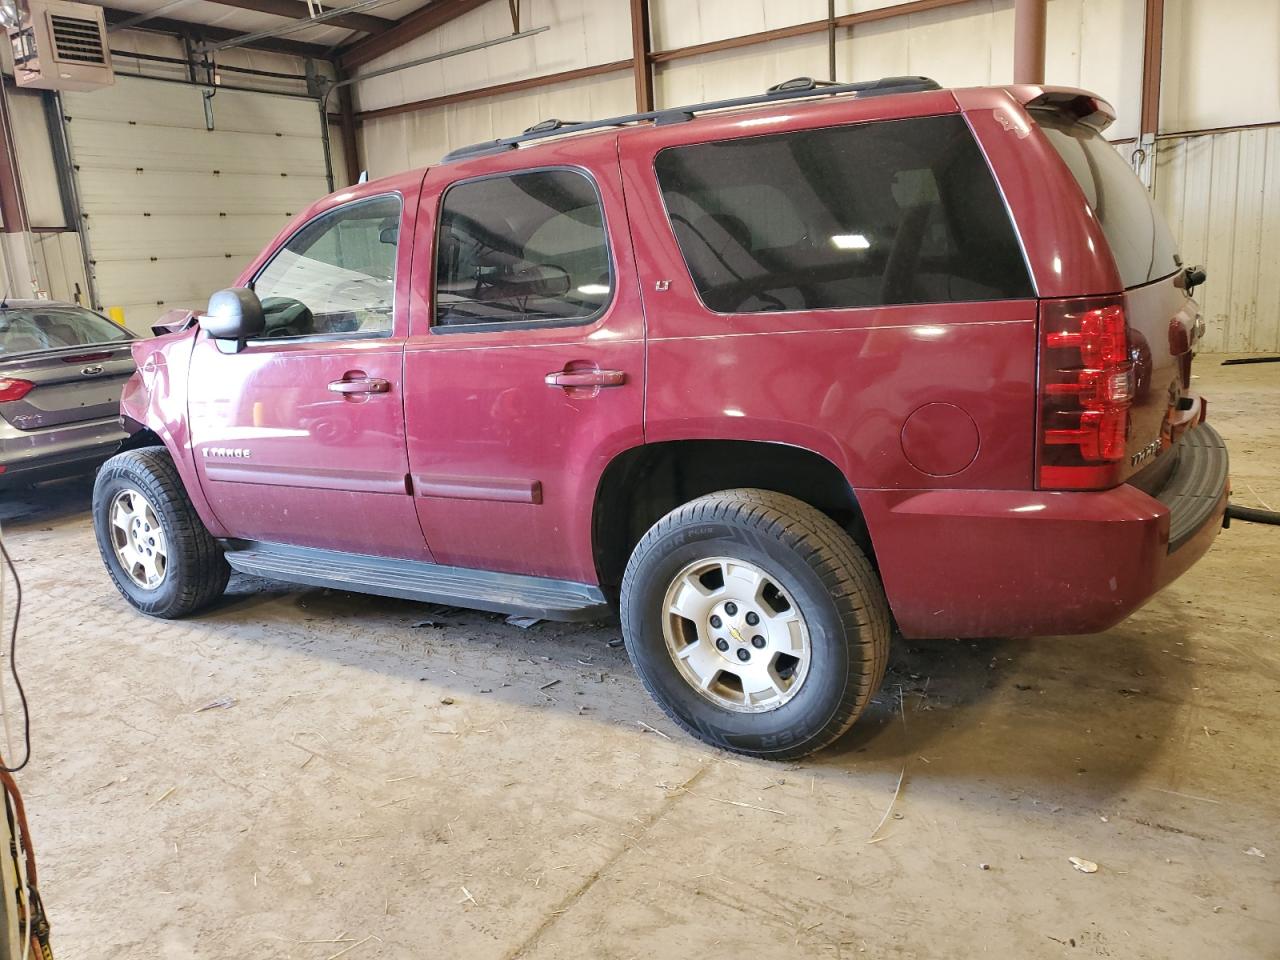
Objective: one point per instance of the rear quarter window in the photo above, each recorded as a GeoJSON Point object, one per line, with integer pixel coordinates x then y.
{"type": "Point", "coordinates": [872, 214]}
{"type": "Point", "coordinates": [1136, 232]}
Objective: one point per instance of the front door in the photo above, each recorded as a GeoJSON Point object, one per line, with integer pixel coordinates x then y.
{"type": "Point", "coordinates": [299, 437]}
{"type": "Point", "coordinates": [524, 372]}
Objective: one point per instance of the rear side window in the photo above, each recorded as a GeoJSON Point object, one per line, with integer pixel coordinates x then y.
{"type": "Point", "coordinates": [528, 247]}
{"type": "Point", "coordinates": [1140, 241]}
{"type": "Point", "coordinates": [890, 212]}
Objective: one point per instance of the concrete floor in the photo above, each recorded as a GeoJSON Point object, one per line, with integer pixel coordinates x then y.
{"type": "Point", "coordinates": [463, 788]}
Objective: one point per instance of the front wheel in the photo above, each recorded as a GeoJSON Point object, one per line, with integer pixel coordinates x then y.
{"type": "Point", "coordinates": [755, 622]}
{"type": "Point", "coordinates": [154, 545]}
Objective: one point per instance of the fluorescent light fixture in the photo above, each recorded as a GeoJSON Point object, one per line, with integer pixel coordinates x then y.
{"type": "Point", "coordinates": [851, 241]}
{"type": "Point", "coordinates": [594, 289]}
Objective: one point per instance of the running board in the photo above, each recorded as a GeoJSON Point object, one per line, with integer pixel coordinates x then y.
{"type": "Point", "coordinates": [415, 580]}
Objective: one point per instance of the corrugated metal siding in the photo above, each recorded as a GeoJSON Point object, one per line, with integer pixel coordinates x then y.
{"type": "Point", "coordinates": [1221, 194]}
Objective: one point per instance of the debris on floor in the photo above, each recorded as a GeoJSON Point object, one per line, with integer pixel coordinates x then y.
{"type": "Point", "coordinates": [1084, 866]}
{"type": "Point", "coordinates": [524, 623]}
{"type": "Point", "coordinates": [222, 703]}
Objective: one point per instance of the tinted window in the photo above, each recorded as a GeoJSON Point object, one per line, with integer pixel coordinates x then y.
{"type": "Point", "coordinates": [336, 275]}
{"type": "Point", "coordinates": [1139, 238]}
{"type": "Point", "coordinates": [527, 247]}
{"type": "Point", "coordinates": [23, 329]}
{"type": "Point", "coordinates": [901, 211]}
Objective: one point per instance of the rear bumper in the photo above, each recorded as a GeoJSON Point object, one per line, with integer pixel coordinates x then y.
{"type": "Point", "coordinates": [28, 455]}
{"type": "Point", "coordinates": [976, 563]}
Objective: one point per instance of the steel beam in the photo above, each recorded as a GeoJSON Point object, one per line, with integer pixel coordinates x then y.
{"type": "Point", "coordinates": [203, 31]}
{"type": "Point", "coordinates": [297, 10]}
{"type": "Point", "coordinates": [497, 90]}
{"type": "Point", "coordinates": [431, 17]}
{"type": "Point", "coordinates": [804, 29]}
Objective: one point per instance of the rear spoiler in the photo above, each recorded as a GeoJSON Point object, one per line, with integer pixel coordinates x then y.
{"type": "Point", "coordinates": [1085, 107]}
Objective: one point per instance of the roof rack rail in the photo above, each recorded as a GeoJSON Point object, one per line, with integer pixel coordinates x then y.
{"type": "Point", "coordinates": [794, 89]}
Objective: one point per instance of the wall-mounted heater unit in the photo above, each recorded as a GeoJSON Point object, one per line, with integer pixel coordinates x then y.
{"type": "Point", "coordinates": [58, 45]}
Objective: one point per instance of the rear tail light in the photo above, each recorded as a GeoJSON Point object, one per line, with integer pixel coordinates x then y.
{"type": "Point", "coordinates": [1086, 390]}
{"type": "Point", "coordinates": [13, 389]}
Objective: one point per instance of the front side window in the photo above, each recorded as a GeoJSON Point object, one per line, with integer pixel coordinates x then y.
{"type": "Point", "coordinates": [872, 214]}
{"type": "Point", "coordinates": [25, 329]}
{"type": "Point", "coordinates": [529, 247]}
{"type": "Point", "coordinates": [336, 275]}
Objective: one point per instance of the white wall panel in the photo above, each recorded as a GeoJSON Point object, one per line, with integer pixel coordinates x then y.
{"type": "Point", "coordinates": [740, 72]}
{"type": "Point", "coordinates": [1221, 195]}
{"type": "Point", "coordinates": [583, 33]}
{"type": "Point", "coordinates": [1221, 64]}
{"type": "Point", "coordinates": [420, 138]}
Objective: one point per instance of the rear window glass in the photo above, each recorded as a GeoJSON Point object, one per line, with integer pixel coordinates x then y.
{"type": "Point", "coordinates": [24, 329]}
{"type": "Point", "coordinates": [1140, 241]}
{"type": "Point", "coordinates": [891, 212]}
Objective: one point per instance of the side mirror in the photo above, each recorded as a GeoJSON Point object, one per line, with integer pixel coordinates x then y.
{"type": "Point", "coordinates": [234, 314]}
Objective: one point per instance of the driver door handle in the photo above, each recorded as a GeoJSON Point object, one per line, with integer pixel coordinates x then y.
{"type": "Point", "coordinates": [361, 385]}
{"type": "Point", "coordinates": [586, 378]}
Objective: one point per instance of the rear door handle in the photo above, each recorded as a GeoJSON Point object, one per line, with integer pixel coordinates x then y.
{"type": "Point", "coordinates": [586, 378]}
{"type": "Point", "coordinates": [362, 385]}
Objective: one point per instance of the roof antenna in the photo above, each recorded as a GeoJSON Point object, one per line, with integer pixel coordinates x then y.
{"type": "Point", "coordinates": [364, 177]}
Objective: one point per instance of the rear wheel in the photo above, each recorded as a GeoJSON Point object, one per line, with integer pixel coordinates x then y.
{"type": "Point", "coordinates": [755, 622]}
{"type": "Point", "coordinates": [154, 545]}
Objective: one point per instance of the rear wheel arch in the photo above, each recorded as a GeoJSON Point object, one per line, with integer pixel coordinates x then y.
{"type": "Point", "coordinates": [644, 483]}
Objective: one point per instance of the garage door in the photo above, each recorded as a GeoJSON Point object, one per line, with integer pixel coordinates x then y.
{"type": "Point", "coordinates": [173, 210]}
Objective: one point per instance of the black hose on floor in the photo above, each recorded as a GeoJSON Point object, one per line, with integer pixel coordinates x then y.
{"type": "Point", "coordinates": [1252, 515]}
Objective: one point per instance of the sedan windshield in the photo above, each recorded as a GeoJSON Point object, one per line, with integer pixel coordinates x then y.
{"type": "Point", "coordinates": [27, 329]}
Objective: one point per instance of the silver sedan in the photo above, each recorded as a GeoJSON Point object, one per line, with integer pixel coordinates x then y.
{"type": "Point", "coordinates": [62, 368]}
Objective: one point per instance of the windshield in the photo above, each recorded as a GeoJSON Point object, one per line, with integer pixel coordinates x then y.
{"type": "Point", "coordinates": [27, 329]}
{"type": "Point", "coordinates": [1136, 231]}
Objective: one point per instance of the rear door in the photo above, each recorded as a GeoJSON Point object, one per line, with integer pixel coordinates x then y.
{"type": "Point", "coordinates": [524, 375]}
{"type": "Point", "coordinates": [299, 437]}
{"type": "Point", "coordinates": [1162, 318]}
{"type": "Point", "coordinates": [70, 366]}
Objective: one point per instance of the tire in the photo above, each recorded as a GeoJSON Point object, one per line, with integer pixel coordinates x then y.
{"type": "Point", "coordinates": [816, 574]}
{"type": "Point", "coordinates": [185, 570]}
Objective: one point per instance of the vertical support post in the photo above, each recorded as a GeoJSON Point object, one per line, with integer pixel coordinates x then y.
{"type": "Point", "coordinates": [20, 270]}
{"type": "Point", "coordinates": [1029, 19]}
{"type": "Point", "coordinates": [831, 40]}
{"type": "Point", "coordinates": [350, 143]}
{"type": "Point", "coordinates": [640, 44]}
{"type": "Point", "coordinates": [1152, 65]}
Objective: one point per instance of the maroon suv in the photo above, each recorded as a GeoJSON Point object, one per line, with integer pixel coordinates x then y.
{"type": "Point", "coordinates": [770, 376]}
